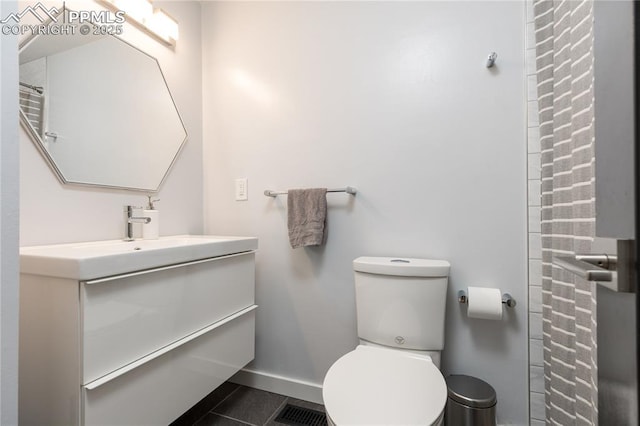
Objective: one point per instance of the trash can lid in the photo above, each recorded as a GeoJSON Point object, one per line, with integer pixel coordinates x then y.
{"type": "Point", "coordinates": [471, 391]}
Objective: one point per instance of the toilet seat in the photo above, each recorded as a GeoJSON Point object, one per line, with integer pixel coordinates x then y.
{"type": "Point", "coordinates": [372, 385]}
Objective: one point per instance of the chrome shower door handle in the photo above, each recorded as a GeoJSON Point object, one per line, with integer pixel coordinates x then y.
{"type": "Point", "coordinates": [604, 261]}
{"type": "Point", "coordinates": [617, 273]}
{"type": "Point", "coordinates": [591, 267]}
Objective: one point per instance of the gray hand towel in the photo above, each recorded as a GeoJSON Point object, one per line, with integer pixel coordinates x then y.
{"type": "Point", "coordinates": [306, 216]}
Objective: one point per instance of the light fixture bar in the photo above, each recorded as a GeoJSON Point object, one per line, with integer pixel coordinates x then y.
{"type": "Point", "coordinates": [144, 16]}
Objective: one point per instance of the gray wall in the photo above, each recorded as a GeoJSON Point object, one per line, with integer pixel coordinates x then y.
{"type": "Point", "coordinates": [9, 150]}
{"type": "Point", "coordinates": [394, 99]}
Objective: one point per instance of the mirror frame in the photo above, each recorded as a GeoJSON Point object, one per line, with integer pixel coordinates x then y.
{"type": "Point", "coordinates": [39, 143]}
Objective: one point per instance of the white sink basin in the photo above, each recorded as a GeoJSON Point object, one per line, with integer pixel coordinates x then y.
{"type": "Point", "coordinates": [85, 261]}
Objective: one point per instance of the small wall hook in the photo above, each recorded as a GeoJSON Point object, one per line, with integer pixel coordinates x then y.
{"type": "Point", "coordinates": [491, 60]}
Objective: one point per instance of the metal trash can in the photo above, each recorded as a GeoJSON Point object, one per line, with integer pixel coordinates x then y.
{"type": "Point", "coordinates": [470, 402]}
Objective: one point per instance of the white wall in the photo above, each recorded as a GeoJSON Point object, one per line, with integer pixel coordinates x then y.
{"type": "Point", "coordinates": [55, 213]}
{"type": "Point", "coordinates": [9, 151]}
{"type": "Point", "coordinates": [394, 99]}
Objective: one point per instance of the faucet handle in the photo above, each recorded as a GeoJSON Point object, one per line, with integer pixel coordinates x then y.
{"type": "Point", "coordinates": [150, 205]}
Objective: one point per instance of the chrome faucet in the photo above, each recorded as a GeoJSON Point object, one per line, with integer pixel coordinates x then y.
{"type": "Point", "coordinates": [131, 220]}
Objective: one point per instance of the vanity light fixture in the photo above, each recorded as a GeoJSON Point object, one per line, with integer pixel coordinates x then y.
{"type": "Point", "coordinates": [163, 25]}
{"type": "Point", "coordinates": [143, 15]}
{"type": "Point", "coordinates": [134, 9]}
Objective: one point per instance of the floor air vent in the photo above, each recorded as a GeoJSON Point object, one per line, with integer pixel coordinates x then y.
{"type": "Point", "coordinates": [293, 415]}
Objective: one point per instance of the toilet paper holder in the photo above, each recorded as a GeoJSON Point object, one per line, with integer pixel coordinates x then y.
{"type": "Point", "coordinates": [506, 299]}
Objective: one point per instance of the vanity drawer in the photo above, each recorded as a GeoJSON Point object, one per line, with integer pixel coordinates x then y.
{"type": "Point", "coordinates": [159, 390]}
{"type": "Point", "coordinates": [124, 318]}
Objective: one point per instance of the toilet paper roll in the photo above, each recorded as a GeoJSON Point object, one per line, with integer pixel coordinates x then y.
{"type": "Point", "coordinates": [484, 303]}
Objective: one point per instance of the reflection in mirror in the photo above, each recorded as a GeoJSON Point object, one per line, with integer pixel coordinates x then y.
{"type": "Point", "coordinates": [99, 110]}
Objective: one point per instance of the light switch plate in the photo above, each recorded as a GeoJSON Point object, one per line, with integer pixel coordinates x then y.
{"type": "Point", "coordinates": [242, 193]}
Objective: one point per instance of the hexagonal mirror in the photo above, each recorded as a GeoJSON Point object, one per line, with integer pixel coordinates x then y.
{"type": "Point", "coordinates": [99, 110]}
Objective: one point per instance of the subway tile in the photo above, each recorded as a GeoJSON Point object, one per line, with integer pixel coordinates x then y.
{"type": "Point", "coordinates": [535, 245]}
{"type": "Point", "coordinates": [535, 271]}
{"type": "Point", "coordinates": [530, 61]}
{"type": "Point", "coordinates": [537, 405]}
{"type": "Point", "coordinates": [532, 114]}
{"type": "Point", "coordinates": [535, 326]}
{"type": "Point", "coordinates": [530, 15]}
{"type": "Point", "coordinates": [533, 140]}
{"type": "Point", "coordinates": [536, 379]}
{"type": "Point", "coordinates": [533, 169]}
{"type": "Point", "coordinates": [531, 35]}
{"type": "Point", "coordinates": [534, 192]}
{"type": "Point", "coordinates": [534, 219]}
{"type": "Point", "coordinates": [532, 88]}
{"type": "Point", "coordinates": [535, 299]}
{"type": "Point", "coordinates": [536, 372]}
{"type": "Point", "coordinates": [536, 353]}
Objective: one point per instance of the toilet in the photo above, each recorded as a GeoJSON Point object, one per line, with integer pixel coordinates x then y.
{"type": "Point", "coordinates": [393, 377]}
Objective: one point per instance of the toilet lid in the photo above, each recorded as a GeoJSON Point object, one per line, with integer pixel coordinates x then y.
{"type": "Point", "coordinates": [373, 385]}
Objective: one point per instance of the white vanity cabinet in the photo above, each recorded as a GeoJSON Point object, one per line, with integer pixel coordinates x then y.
{"type": "Point", "coordinates": [138, 348]}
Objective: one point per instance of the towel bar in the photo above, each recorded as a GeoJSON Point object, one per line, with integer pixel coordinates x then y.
{"type": "Point", "coordinates": [349, 190]}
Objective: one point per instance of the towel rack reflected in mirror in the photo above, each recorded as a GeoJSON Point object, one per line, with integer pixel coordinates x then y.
{"type": "Point", "coordinates": [349, 190]}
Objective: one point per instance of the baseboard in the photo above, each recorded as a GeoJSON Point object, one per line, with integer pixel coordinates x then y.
{"type": "Point", "coordinates": [299, 389]}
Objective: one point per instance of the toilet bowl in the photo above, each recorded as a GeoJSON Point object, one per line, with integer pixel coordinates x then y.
{"type": "Point", "coordinates": [393, 376]}
{"type": "Point", "coordinates": [378, 386]}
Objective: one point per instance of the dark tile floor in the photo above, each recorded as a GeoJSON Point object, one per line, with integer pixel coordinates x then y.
{"type": "Point", "coordinates": [236, 405]}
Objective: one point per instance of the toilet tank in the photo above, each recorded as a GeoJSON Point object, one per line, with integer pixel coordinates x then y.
{"type": "Point", "coordinates": [400, 302]}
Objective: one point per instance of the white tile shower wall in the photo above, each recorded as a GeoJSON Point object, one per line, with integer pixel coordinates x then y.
{"type": "Point", "coordinates": [536, 368]}
{"type": "Point", "coordinates": [54, 213]}
{"type": "Point", "coordinates": [393, 98]}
